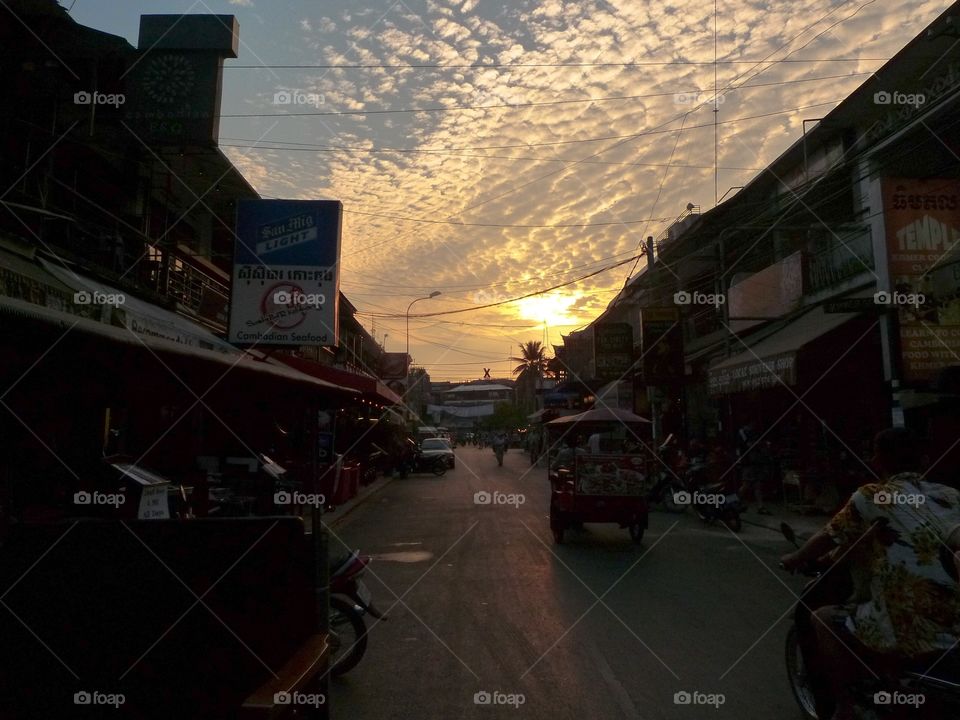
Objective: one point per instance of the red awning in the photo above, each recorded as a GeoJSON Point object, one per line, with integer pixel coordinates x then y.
{"type": "Point", "coordinates": [371, 388]}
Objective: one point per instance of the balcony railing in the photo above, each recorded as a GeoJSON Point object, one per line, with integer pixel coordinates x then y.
{"type": "Point", "coordinates": [846, 257]}
{"type": "Point", "coordinates": [198, 291]}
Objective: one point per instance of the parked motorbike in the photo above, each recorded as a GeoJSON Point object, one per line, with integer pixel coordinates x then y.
{"type": "Point", "coordinates": [938, 686]}
{"type": "Point", "coordinates": [681, 483]}
{"type": "Point", "coordinates": [420, 463]}
{"type": "Point", "coordinates": [350, 600]}
{"type": "Point", "coordinates": [712, 501]}
{"type": "Point", "coordinates": [667, 477]}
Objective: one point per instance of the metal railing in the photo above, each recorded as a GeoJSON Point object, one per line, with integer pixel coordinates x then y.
{"type": "Point", "coordinates": [192, 287]}
{"type": "Point", "coordinates": [845, 258]}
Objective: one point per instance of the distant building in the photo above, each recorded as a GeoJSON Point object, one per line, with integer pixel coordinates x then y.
{"type": "Point", "coordinates": [464, 406]}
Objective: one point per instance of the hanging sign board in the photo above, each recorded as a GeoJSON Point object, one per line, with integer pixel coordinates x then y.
{"type": "Point", "coordinates": [286, 279]}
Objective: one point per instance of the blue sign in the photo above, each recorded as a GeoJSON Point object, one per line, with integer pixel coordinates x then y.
{"type": "Point", "coordinates": [286, 280]}
{"type": "Point", "coordinates": [288, 232]}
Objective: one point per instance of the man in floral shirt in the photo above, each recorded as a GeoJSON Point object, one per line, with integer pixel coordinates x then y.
{"type": "Point", "coordinates": [894, 533]}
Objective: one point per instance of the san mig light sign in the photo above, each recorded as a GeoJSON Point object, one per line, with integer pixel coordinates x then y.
{"type": "Point", "coordinates": [286, 280]}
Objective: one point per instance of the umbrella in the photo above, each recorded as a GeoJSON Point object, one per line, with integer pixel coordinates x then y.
{"type": "Point", "coordinates": [601, 415]}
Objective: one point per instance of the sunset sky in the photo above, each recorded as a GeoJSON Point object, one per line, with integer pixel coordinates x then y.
{"type": "Point", "coordinates": [467, 201]}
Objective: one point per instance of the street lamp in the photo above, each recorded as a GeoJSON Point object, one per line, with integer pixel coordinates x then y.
{"type": "Point", "coordinates": [416, 300]}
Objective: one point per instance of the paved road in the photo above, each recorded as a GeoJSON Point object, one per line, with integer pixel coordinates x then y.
{"type": "Point", "coordinates": [483, 601]}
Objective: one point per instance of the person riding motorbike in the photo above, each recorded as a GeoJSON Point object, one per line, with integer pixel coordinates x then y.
{"type": "Point", "coordinates": [901, 537]}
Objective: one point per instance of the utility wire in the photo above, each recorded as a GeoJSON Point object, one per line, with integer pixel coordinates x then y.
{"type": "Point", "coordinates": [484, 66]}
{"type": "Point", "coordinates": [541, 103]}
{"type": "Point", "coordinates": [313, 147]}
{"type": "Point", "coordinates": [511, 300]}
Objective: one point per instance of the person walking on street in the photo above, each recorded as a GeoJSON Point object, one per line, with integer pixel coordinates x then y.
{"type": "Point", "coordinates": [498, 442]}
{"type": "Point", "coordinates": [754, 464]}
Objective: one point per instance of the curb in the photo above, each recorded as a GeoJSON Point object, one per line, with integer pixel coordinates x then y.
{"type": "Point", "coordinates": [344, 511]}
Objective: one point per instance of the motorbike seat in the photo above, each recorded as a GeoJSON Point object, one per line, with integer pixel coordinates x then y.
{"type": "Point", "coordinates": [338, 563]}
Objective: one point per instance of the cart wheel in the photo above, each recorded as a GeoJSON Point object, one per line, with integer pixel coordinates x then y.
{"type": "Point", "coordinates": [636, 532]}
{"type": "Point", "coordinates": [733, 522]}
{"type": "Point", "coordinates": [557, 525]}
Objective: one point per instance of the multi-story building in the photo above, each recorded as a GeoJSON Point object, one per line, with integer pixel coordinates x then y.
{"type": "Point", "coordinates": [773, 291]}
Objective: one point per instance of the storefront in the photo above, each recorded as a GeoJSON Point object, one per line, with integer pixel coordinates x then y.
{"type": "Point", "coordinates": [813, 387]}
{"type": "Point", "coordinates": [77, 389]}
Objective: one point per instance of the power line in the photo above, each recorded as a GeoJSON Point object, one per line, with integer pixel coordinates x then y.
{"type": "Point", "coordinates": [541, 103]}
{"type": "Point", "coordinates": [484, 66]}
{"type": "Point", "coordinates": [430, 221]}
{"type": "Point", "coordinates": [314, 147]}
{"type": "Point", "coordinates": [511, 300]}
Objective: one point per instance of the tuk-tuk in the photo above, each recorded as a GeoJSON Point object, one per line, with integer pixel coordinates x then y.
{"type": "Point", "coordinates": [599, 467]}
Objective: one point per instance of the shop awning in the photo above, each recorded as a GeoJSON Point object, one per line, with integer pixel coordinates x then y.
{"type": "Point", "coordinates": [370, 388]}
{"type": "Point", "coordinates": [235, 359]}
{"type": "Point", "coordinates": [141, 317]}
{"type": "Point", "coordinates": [772, 361]}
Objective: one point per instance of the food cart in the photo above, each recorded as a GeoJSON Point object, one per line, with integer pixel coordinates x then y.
{"type": "Point", "coordinates": [598, 466]}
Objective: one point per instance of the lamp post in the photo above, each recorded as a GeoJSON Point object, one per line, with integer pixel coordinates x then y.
{"type": "Point", "coordinates": [415, 300]}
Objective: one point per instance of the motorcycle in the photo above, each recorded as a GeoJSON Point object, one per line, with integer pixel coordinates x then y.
{"type": "Point", "coordinates": [668, 476]}
{"type": "Point", "coordinates": [420, 463]}
{"type": "Point", "coordinates": [684, 483]}
{"type": "Point", "coordinates": [350, 600]}
{"type": "Point", "coordinates": [712, 501]}
{"type": "Point", "coordinates": [936, 689]}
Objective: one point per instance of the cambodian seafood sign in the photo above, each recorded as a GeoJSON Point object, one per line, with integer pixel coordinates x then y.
{"type": "Point", "coordinates": [286, 279]}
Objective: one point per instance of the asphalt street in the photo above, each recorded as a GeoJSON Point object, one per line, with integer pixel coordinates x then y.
{"type": "Point", "coordinates": [483, 606]}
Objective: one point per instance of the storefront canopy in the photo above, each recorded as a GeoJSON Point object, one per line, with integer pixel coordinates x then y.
{"type": "Point", "coordinates": [601, 415]}
{"type": "Point", "coordinates": [369, 388]}
{"type": "Point", "coordinates": [64, 324]}
{"type": "Point", "coordinates": [141, 317]}
{"type": "Point", "coordinates": [772, 361]}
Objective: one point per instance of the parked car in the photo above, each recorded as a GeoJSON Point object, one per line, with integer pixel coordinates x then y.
{"type": "Point", "coordinates": [434, 447]}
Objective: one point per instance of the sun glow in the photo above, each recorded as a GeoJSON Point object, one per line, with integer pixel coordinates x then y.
{"type": "Point", "coordinates": [552, 308]}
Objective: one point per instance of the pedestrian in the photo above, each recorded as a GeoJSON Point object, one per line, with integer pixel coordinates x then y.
{"type": "Point", "coordinates": [754, 464]}
{"type": "Point", "coordinates": [498, 441]}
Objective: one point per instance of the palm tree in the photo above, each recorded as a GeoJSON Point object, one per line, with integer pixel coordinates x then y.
{"type": "Point", "coordinates": [533, 364]}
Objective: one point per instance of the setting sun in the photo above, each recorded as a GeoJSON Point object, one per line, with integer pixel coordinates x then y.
{"type": "Point", "coordinates": [552, 309]}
